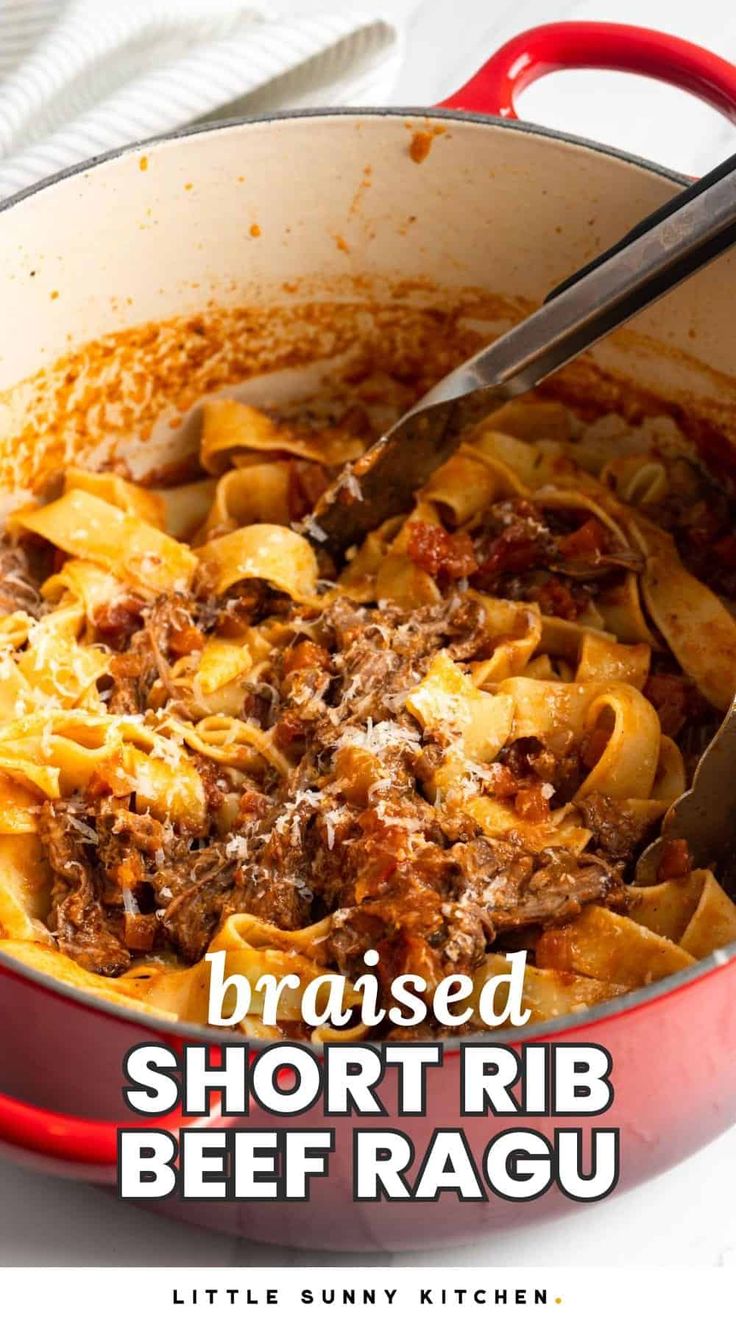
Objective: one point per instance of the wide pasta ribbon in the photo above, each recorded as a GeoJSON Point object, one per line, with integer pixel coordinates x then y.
{"type": "Point", "coordinates": [529, 683]}
{"type": "Point", "coordinates": [88, 527]}
{"type": "Point", "coordinates": [261, 551]}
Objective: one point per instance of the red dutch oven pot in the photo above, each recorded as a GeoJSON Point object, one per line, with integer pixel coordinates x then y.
{"type": "Point", "coordinates": [672, 1044]}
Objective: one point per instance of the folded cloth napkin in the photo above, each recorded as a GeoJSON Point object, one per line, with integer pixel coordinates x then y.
{"type": "Point", "coordinates": [79, 77]}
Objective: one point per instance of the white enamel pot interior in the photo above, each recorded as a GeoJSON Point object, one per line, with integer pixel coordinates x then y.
{"type": "Point", "coordinates": [329, 206]}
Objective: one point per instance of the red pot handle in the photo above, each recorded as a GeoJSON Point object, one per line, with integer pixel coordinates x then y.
{"type": "Point", "coordinates": [81, 1141]}
{"type": "Point", "coordinates": [89, 1142]}
{"type": "Point", "coordinates": [85, 1142]}
{"type": "Point", "coordinates": [555, 46]}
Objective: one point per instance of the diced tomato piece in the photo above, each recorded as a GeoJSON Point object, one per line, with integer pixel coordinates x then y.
{"type": "Point", "coordinates": [253, 804]}
{"type": "Point", "coordinates": [109, 779]}
{"type": "Point", "coordinates": [139, 932]}
{"type": "Point", "coordinates": [675, 860]}
{"type": "Point", "coordinates": [444, 556]}
{"type": "Point", "coordinates": [427, 545]}
{"type": "Point", "coordinates": [288, 730]}
{"type": "Point", "coordinates": [532, 804]}
{"type": "Point", "coordinates": [503, 782]}
{"type": "Point", "coordinates": [586, 542]}
{"type": "Point", "coordinates": [556, 599]}
{"type": "Point", "coordinates": [116, 621]}
{"type": "Point", "coordinates": [187, 639]}
{"type": "Point", "coordinates": [306, 656]}
{"type": "Point", "coordinates": [513, 551]}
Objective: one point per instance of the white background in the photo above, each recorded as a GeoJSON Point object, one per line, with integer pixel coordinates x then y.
{"type": "Point", "coordinates": [687, 1217]}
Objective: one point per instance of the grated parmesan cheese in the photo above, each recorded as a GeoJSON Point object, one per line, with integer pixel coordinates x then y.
{"type": "Point", "coordinates": [312, 799]}
{"type": "Point", "coordinates": [237, 847]}
{"type": "Point", "coordinates": [84, 829]}
{"type": "Point", "coordinates": [130, 905]}
{"type": "Point", "coordinates": [380, 738]}
{"type": "Point", "coordinates": [381, 786]}
{"type": "Point", "coordinates": [349, 483]}
{"type": "Point", "coordinates": [314, 530]}
{"type": "Point", "coordinates": [331, 819]}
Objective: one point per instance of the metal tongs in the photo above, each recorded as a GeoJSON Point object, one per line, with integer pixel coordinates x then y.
{"type": "Point", "coordinates": [705, 816]}
{"type": "Point", "coordinates": [661, 251]}
{"type": "Point", "coordinates": [664, 249]}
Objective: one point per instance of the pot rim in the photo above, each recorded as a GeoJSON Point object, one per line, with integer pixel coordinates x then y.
{"type": "Point", "coordinates": [342, 112]}
{"type": "Point", "coordinates": [598, 1014]}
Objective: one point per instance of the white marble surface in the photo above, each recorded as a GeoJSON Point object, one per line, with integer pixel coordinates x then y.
{"type": "Point", "coordinates": [685, 1218]}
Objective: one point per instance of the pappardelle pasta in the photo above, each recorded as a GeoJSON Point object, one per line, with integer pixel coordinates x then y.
{"type": "Point", "coordinates": [452, 748]}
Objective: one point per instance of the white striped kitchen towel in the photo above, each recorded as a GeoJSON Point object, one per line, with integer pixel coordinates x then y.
{"type": "Point", "coordinates": [79, 77]}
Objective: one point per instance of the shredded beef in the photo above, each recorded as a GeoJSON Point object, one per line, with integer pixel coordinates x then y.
{"type": "Point", "coordinates": [677, 701]}
{"type": "Point", "coordinates": [127, 845]}
{"type": "Point", "coordinates": [191, 919]}
{"type": "Point", "coordinates": [617, 832]}
{"type": "Point", "coordinates": [530, 762]}
{"type": "Point", "coordinates": [701, 518]}
{"type": "Point", "coordinates": [132, 676]}
{"type": "Point", "coordinates": [274, 897]}
{"type": "Point", "coordinates": [184, 880]}
{"type": "Point", "coordinates": [352, 830]}
{"type": "Point", "coordinates": [124, 880]}
{"type": "Point", "coordinates": [171, 627]}
{"type": "Point", "coordinates": [17, 589]}
{"type": "Point", "coordinates": [82, 926]}
{"type": "Point", "coordinates": [508, 888]}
